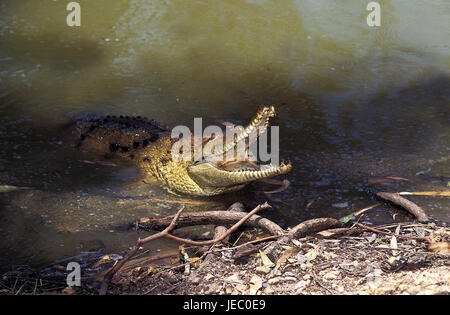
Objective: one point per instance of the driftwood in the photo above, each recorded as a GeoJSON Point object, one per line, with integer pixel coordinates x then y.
{"type": "Point", "coordinates": [220, 229]}
{"type": "Point", "coordinates": [410, 206]}
{"type": "Point", "coordinates": [210, 217]}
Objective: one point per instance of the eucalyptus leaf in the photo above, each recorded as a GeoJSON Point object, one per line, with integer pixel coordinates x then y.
{"type": "Point", "coordinates": [266, 260]}
{"type": "Point", "coordinates": [347, 218]}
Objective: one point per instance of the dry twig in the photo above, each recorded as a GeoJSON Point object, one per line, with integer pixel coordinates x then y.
{"type": "Point", "coordinates": [166, 233]}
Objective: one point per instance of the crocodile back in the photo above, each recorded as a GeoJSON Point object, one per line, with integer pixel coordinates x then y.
{"type": "Point", "coordinates": [118, 135]}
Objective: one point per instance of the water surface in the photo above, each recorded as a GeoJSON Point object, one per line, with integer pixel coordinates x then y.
{"type": "Point", "coordinates": [353, 102]}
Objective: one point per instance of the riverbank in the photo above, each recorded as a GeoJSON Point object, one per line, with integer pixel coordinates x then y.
{"type": "Point", "coordinates": [360, 263]}
{"type": "Point", "coordinates": [334, 261]}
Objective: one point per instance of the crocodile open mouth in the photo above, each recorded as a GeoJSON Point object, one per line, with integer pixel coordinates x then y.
{"type": "Point", "coordinates": [222, 168]}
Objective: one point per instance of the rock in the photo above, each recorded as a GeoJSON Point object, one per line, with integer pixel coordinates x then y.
{"type": "Point", "coordinates": [262, 269]}
{"type": "Point", "coordinates": [195, 280]}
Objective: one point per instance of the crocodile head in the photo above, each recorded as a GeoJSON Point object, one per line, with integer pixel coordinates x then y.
{"type": "Point", "coordinates": [221, 170]}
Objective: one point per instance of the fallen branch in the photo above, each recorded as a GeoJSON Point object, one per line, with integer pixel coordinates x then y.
{"type": "Point", "coordinates": [223, 236]}
{"type": "Point", "coordinates": [313, 226]}
{"type": "Point", "coordinates": [410, 206]}
{"type": "Point", "coordinates": [210, 217]}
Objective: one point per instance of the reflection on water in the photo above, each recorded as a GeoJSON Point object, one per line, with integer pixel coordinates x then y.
{"type": "Point", "coordinates": [354, 102]}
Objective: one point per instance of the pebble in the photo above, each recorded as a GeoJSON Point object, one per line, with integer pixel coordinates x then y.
{"type": "Point", "coordinates": [195, 280]}
{"type": "Point", "coordinates": [274, 280]}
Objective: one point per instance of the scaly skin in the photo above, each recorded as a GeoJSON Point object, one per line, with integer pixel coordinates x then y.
{"type": "Point", "coordinates": [149, 144]}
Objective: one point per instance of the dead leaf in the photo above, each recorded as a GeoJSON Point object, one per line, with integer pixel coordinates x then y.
{"type": "Point", "coordinates": [241, 288]}
{"type": "Point", "coordinates": [440, 247]}
{"type": "Point", "coordinates": [387, 179]}
{"type": "Point", "coordinates": [284, 257]}
{"type": "Point", "coordinates": [266, 260]}
{"type": "Point", "coordinates": [371, 238]}
{"type": "Point", "coordinates": [392, 261]}
{"type": "Point", "coordinates": [309, 204]}
{"type": "Point", "coordinates": [234, 278]}
{"type": "Point", "coordinates": [394, 245]}
{"type": "Point", "coordinates": [255, 284]}
{"type": "Point", "coordinates": [105, 259]}
{"type": "Point", "coordinates": [354, 214]}
{"type": "Point", "coordinates": [258, 237]}
{"type": "Point", "coordinates": [311, 254]}
{"type": "Point", "coordinates": [9, 188]}
{"type": "Point", "coordinates": [426, 193]}
{"type": "Point", "coordinates": [284, 184]}
{"type": "Point", "coordinates": [332, 274]}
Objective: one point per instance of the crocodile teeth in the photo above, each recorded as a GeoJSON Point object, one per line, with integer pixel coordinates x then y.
{"type": "Point", "coordinates": [265, 171]}
{"type": "Point", "coordinates": [261, 121]}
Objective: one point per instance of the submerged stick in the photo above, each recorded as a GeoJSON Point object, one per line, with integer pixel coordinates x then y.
{"type": "Point", "coordinates": [406, 204]}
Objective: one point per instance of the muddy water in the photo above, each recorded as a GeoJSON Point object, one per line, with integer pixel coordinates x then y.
{"type": "Point", "coordinates": [354, 103]}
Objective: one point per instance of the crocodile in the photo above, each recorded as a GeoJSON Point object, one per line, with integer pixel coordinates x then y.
{"type": "Point", "coordinates": [149, 144]}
